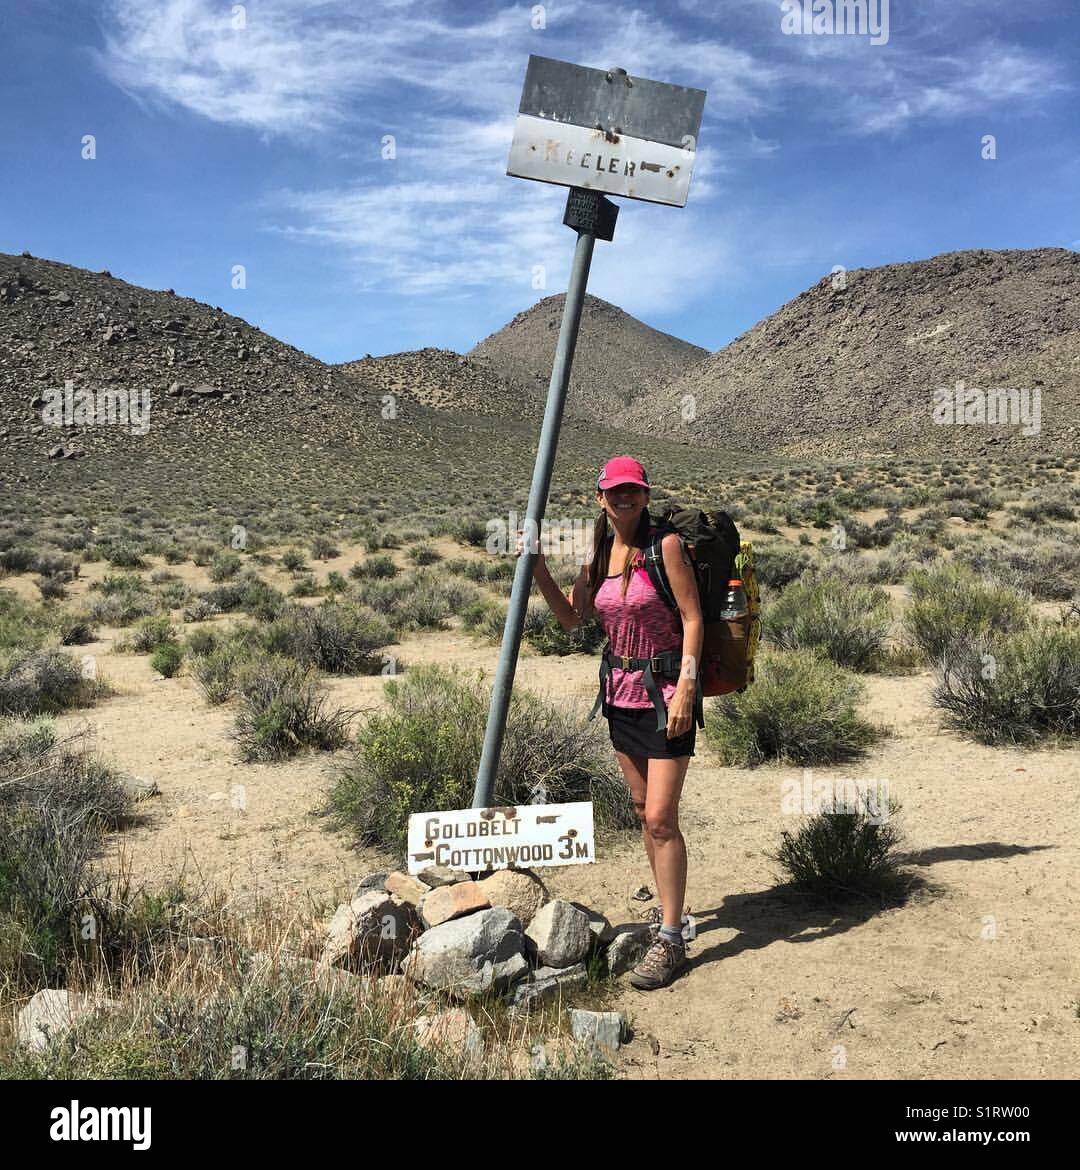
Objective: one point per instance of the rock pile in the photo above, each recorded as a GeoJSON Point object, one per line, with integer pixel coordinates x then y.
{"type": "Point", "coordinates": [502, 934]}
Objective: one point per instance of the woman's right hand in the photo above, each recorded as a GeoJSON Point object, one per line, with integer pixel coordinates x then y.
{"type": "Point", "coordinates": [519, 547]}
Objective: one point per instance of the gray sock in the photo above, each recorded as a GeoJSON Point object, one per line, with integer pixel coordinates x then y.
{"type": "Point", "coordinates": [672, 934]}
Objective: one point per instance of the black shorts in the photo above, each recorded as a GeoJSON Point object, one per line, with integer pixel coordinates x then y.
{"type": "Point", "coordinates": [633, 730]}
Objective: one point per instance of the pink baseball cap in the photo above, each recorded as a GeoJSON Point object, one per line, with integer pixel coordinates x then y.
{"type": "Point", "coordinates": [621, 469]}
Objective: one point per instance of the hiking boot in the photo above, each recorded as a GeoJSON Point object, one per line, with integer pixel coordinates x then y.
{"type": "Point", "coordinates": [654, 916]}
{"type": "Point", "coordinates": [663, 961]}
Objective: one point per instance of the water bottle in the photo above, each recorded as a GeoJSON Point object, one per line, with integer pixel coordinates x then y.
{"type": "Point", "coordinates": [735, 604]}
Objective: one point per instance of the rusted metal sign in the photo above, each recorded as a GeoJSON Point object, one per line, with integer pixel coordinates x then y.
{"type": "Point", "coordinates": [606, 130]}
{"type": "Point", "coordinates": [496, 838]}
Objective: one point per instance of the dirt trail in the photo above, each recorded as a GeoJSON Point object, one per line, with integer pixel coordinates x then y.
{"type": "Point", "coordinates": [977, 977]}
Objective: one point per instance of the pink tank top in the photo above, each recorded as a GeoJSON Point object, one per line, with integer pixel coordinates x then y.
{"type": "Point", "coordinates": [638, 625]}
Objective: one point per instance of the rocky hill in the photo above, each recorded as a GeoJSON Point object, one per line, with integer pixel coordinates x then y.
{"type": "Point", "coordinates": [210, 377]}
{"type": "Point", "coordinates": [618, 358]}
{"type": "Point", "coordinates": [445, 380]}
{"type": "Point", "coordinates": [850, 366]}
{"type": "Point", "coordinates": [242, 426]}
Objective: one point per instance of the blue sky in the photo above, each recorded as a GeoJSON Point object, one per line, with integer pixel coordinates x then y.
{"type": "Point", "coordinates": [261, 145]}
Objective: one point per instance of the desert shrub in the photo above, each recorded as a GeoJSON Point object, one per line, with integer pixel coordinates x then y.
{"type": "Point", "coordinates": [200, 642]}
{"type": "Point", "coordinates": [250, 593]}
{"type": "Point", "coordinates": [423, 753]}
{"type": "Point", "coordinates": [801, 709]}
{"type": "Point", "coordinates": [305, 586]}
{"type": "Point", "coordinates": [374, 566]}
{"type": "Point", "coordinates": [483, 572]}
{"type": "Point", "coordinates": [486, 617]}
{"type": "Point", "coordinates": [877, 535]}
{"type": "Point", "coordinates": [459, 592]}
{"type": "Point", "coordinates": [423, 554]}
{"type": "Point", "coordinates": [167, 659]}
{"type": "Point", "coordinates": [123, 554]}
{"type": "Point", "coordinates": [929, 525]}
{"type": "Point", "coordinates": [203, 553]}
{"type": "Point", "coordinates": [1044, 505]}
{"type": "Point", "coordinates": [337, 637]}
{"type": "Point", "coordinates": [22, 624]}
{"type": "Point", "coordinates": [36, 682]}
{"type": "Point", "coordinates": [544, 633]}
{"type": "Point", "coordinates": [53, 587]}
{"type": "Point", "coordinates": [323, 548]}
{"type": "Point", "coordinates": [200, 609]}
{"type": "Point", "coordinates": [75, 629]}
{"type": "Point", "coordinates": [391, 598]}
{"type": "Point", "coordinates": [224, 566]}
{"type": "Point", "coordinates": [336, 583]}
{"type": "Point", "coordinates": [174, 554]}
{"type": "Point", "coordinates": [851, 848]}
{"type": "Point", "coordinates": [776, 565]}
{"type": "Point", "coordinates": [149, 633]}
{"type": "Point", "coordinates": [17, 560]}
{"type": "Point", "coordinates": [56, 804]}
{"type": "Point", "coordinates": [1016, 687]}
{"type": "Point", "coordinates": [175, 594]}
{"type": "Point", "coordinates": [261, 600]}
{"type": "Point", "coordinates": [282, 710]}
{"type": "Point", "coordinates": [1047, 569]}
{"type": "Point", "coordinates": [293, 560]}
{"type": "Point", "coordinates": [469, 531]}
{"type": "Point", "coordinates": [124, 599]}
{"type": "Point", "coordinates": [427, 604]}
{"type": "Point", "coordinates": [216, 671]}
{"type": "Point", "coordinates": [950, 601]}
{"type": "Point", "coordinates": [847, 621]}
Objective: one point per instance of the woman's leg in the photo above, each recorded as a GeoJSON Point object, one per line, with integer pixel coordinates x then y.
{"type": "Point", "coordinates": [664, 839]}
{"type": "Point", "coordinates": [634, 769]}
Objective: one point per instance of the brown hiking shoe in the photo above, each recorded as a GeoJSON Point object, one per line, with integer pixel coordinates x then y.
{"type": "Point", "coordinates": [663, 961]}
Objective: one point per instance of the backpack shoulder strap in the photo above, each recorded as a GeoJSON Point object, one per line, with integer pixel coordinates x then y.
{"type": "Point", "coordinates": [653, 556]}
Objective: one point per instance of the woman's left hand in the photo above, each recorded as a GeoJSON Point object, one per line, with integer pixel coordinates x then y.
{"type": "Point", "coordinates": [680, 716]}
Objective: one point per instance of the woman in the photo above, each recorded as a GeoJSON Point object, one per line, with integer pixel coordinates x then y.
{"type": "Point", "coordinates": [651, 708]}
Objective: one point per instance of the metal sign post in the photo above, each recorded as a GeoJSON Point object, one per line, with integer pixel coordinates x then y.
{"type": "Point", "coordinates": [592, 130]}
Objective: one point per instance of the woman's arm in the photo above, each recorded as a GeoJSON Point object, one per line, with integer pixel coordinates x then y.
{"type": "Point", "coordinates": [570, 613]}
{"type": "Point", "coordinates": [684, 586]}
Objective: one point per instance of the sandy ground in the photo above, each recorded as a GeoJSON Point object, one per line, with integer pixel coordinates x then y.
{"type": "Point", "coordinates": [978, 976]}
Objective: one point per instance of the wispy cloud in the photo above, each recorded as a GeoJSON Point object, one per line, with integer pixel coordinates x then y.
{"type": "Point", "coordinates": [444, 79]}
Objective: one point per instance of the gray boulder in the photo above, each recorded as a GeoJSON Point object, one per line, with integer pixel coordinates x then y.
{"type": "Point", "coordinates": [52, 1012]}
{"type": "Point", "coordinates": [470, 956]}
{"type": "Point", "coordinates": [559, 934]}
{"type": "Point", "coordinates": [627, 947]}
{"type": "Point", "coordinates": [546, 983]}
{"type": "Point", "coordinates": [599, 1032]}
{"type": "Point", "coordinates": [375, 925]}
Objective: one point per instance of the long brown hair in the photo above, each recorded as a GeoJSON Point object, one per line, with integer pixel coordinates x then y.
{"type": "Point", "coordinates": [603, 538]}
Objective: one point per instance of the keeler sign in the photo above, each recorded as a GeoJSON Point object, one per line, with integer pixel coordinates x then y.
{"type": "Point", "coordinates": [495, 838]}
{"type": "Point", "coordinates": [604, 130]}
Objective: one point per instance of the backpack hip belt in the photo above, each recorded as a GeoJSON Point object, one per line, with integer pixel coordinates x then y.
{"type": "Point", "coordinates": [667, 664]}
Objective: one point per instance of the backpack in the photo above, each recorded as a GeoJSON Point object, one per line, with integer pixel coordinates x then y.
{"type": "Point", "coordinates": [718, 554]}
